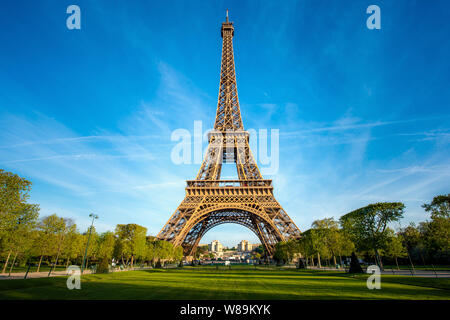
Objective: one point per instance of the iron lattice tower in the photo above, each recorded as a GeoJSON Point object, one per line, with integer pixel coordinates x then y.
{"type": "Point", "coordinates": [210, 201]}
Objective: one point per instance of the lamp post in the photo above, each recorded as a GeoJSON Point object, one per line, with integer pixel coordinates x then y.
{"type": "Point", "coordinates": [93, 216]}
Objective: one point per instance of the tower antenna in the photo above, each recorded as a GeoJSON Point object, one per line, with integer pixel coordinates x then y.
{"type": "Point", "coordinates": [227, 15]}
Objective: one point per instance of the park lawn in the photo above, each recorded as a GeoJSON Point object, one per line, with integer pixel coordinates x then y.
{"type": "Point", "coordinates": [240, 284]}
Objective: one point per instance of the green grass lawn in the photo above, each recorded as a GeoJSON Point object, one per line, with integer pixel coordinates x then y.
{"type": "Point", "coordinates": [237, 283]}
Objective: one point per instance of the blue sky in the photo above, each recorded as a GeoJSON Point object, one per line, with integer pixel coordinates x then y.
{"type": "Point", "coordinates": [87, 114]}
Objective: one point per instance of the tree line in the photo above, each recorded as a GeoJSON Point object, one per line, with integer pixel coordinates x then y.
{"type": "Point", "coordinates": [52, 240]}
{"type": "Point", "coordinates": [367, 233]}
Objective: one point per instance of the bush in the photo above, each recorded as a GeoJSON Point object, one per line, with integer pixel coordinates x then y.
{"type": "Point", "coordinates": [103, 266]}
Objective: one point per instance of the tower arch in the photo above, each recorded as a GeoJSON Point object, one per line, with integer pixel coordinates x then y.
{"type": "Point", "coordinates": [211, 217]}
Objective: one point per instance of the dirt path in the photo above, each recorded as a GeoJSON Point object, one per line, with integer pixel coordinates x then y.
{"type": "Point", "coordinates": [21, 275]}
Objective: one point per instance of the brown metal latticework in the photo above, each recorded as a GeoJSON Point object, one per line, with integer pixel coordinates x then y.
{"type": "Point", "coordinates": [210, 201]}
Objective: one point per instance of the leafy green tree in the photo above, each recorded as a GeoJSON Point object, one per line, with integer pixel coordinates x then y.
{"type": "Point", "coordinates": [393, 246]}
{"type": "Point", "coordinates": [346, 245]}
{"type": "Point", "coordinates": [281, 253]}
{"type": "Point", "coordinates": [260, 249]}
{"type": "Point", "coordinates": [17, 217]}
{"type": "Point", "coordinates": [150, 253]}
{"type": "Point", "coordinates": [165, 250]}
{"type": "Point", "coordinates": [67, 225]}
{"type": "Point", "coordinates": [73, 245]}
{"type": "Point", "coordinates": [411, 236]}
{"type": "Point", "coordinates": [105, 250]}
{"type": "Point", "coordinates": [328, 230]}
{"type": "Point", "coordinates": [367, 225]}
{"type": "Point", "coordinates": [285, 251]}
{"type": "Point", "coordinates": [106, 243]}
{"type": "Point", "coordinates": [131, 242]}
{"type": "Point", "coordinates": [14, 193]}
{"type": "Point", "coordinates": [50, 235]}
{"type": "Point", "coordinates": [436, 233]}
{"type": "Point", "coordinates": [22, 245]}
{"type": "Point", "coordinates": [200, 251]}
{"type": "Point", "coordinates": [307, 246]}
{"type": "Point", "coordinates": [311, 244]}
{"type": "Point", "coordinates": [160, 250]}
{"type": "Point", "coordinates": [256, 256]}
{"type": "Point", "coordinates": [178, 253]}
{"type": "Point", "coordinates": [439, 207]}
{"type": "Point", "coordinates": [18, 241]}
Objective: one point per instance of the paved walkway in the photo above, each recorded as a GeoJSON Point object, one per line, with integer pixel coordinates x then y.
{"type": "Point", "coordinates": [415, 273]}
{"type": "Point", "coordinates": [21, 275]}
{"type": "Point", "coordinates": [418, 273]}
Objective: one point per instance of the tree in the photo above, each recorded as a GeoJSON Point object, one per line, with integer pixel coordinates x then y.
{"type": "Point", "coordinates": [260, 249]}
{"type": "Point", "coordinates": [73, 245]}
{"type": "Point", "coordinates": [367, 225]}
{"type": "Point", "coordinates": [106, 244]}
{"type": "Point", "coordinates": [67, 225]}
{"type": "Point", "coordinates": [131, 242]}
{"type": "Point", "coordinates": [328, 230]}
{"type": "Point", "coordinates": [311, 245]}
{"type": "Point", "coordinates": [411, 236]}
{"type": "Point", "coordinates": [439, 207]}
{"type": "Point", "coordinates": [256, 256]}
{"type": "Point", "coordinates": [346, 245]}
{"type": "Point", "coordinates": [285, 251]}
{"type": "Point", "coordinates": [105, 249]}
{"type": "Point", "coordinates": [150, 251]}
{"type": "Point", "coordinates": [393, 246]}
{"type": "Point", "coordinates": [165, 250]}
{"type": "Point", "coordinates": [14, 193]}
{"type": "Point", "coordinates": [19, 238]}
{"type": "Point", "coordinates": [200, 251]}
{"type": "Point", "coordinates": [281, 253]}
{"type": "Point", "coordinates": [50, 230]}
{"type": "Point", "coordinates": [436, 233]}
{"type": "Point", "coordinates": [178, 253]}
{"type": "Point", "coordinates": [17, 217]}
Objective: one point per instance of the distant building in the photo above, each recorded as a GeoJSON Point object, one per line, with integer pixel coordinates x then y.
{"type": "Point", "coordinates": [215, 246]}
{"type": "Point", "coordinates": [244, 246]}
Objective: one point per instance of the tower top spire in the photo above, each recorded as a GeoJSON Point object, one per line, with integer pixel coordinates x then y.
{"type": "Point", "coordinates": [228, 115]}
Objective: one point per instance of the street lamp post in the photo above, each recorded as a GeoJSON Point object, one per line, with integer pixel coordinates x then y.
{"type": "Point", "coordinates": [93, 216]}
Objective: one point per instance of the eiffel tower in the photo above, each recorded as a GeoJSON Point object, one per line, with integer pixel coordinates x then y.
{"type": "Point", "coordinates": [210, 201]}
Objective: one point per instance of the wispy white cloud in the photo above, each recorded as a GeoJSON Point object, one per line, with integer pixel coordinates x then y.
{"type": "Point", "coordinates": [125, 174]}
{"type": "Point", "coordinates": [344, 125]}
